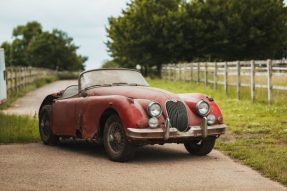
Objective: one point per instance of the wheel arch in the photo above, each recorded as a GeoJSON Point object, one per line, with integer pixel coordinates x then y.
{"type": "Point", "coordinates": [104, 117]}
{"type": "Point", "coordinates": [47, 101]}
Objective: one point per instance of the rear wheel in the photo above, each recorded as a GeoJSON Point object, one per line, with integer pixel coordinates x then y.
{"type": "Point", "coordinates": [115, 142]}
{"type": "Point", "coordinates": [200, 147]}
{"type": "Point", "coordinates": [46, 133]}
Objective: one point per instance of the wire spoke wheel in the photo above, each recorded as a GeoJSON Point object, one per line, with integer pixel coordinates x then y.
{"type": "Point", "coordinates": [115, 142]}
{"type": "Point", "coordinates": [46, 133]}
{"type": "Point", "coordinates": [116, 137]}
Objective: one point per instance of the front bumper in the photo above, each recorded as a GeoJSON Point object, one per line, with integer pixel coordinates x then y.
{"type": "Point", "coordinates": [169, 132]}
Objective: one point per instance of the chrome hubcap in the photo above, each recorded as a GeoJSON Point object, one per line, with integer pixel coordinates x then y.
{"type": "Point", "coordinates": [116, 137]}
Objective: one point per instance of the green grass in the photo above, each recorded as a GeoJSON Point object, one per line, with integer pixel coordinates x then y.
{"type": "Point", "coordinates": [18, 129]}
{"type": "Point", "coordinates": [257, 132]}
{"type": "Point", "coordinates": [37, 84]}
{"type": "Point", "coordinates": [261, 94]}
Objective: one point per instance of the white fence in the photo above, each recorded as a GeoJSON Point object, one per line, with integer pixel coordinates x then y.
{"type": "Point", "coordinates": [18, 78]}
{"type": "Point", "coordinates": [270, 74]}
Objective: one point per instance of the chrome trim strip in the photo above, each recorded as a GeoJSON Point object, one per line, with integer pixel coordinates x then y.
{"type": "Point", "coordinates": [194, 131]}
{"type": "Point", "coordinates": [166, 129]}
{"type": "Point", "coordinates": [204, 127]}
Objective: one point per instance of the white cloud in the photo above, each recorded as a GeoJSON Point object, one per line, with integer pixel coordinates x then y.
{"type": "Point", "coordinates": [84, 20]}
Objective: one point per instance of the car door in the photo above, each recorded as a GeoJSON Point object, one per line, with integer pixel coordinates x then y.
{"type": "Point", "coordinates": [65, 120]}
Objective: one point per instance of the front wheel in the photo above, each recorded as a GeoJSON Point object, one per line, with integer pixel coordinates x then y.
{"type": "Point", "coordinates": [115, 142]}
{"type": "Point", "coordinates": [201, 147]}
{"type": "Point", "coordinates": [46, 133]}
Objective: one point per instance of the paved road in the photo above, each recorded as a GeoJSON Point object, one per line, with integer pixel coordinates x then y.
{"type": "Point", "coordinates": [29, 104]}
{"type": "Point", "coordinates": [82, 166]}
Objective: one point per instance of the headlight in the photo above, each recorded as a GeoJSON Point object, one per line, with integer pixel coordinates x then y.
{"type": "Point", "coordinates": [154, 109]}
{"type": "Point", "coordinates": [202, 108]}
{"type": "Point", "coordinates": [153, 122]}
{"type": "Point", "coordinates": [211, 119]}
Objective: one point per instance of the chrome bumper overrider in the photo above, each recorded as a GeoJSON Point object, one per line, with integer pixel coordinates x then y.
{"type": "Point", "coordinates": [169, 132]}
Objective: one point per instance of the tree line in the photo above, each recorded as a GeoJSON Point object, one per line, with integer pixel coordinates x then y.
{"type": "Point", "coordinates": [155, 32]}
{"type": "Point", "coordinates": [31, 46]}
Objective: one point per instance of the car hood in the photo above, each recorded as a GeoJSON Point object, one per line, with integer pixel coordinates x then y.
{"type": "Point", "coordinates": [135, 92]}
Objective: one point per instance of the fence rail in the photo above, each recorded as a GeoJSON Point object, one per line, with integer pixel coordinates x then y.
{"type": "Point", "coordinates": [18, 78]}
{"type": "Point", "coordinates": [270, 74]}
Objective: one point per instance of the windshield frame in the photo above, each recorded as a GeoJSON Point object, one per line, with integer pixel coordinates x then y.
{"type": "Point", "coordinates": [81, 74]}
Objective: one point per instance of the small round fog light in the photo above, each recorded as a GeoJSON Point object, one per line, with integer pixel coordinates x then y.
{"type": "Point", "coordinates": [153, 122]}
{"type": "Point", "coordinates": [211, 119]}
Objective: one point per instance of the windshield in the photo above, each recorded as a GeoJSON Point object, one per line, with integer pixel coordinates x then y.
{"type": "Point", "coordinates": [110, 78]}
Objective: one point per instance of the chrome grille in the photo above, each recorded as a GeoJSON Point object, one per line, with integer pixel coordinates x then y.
{"type": "Point", "coordinates": [177, 115]}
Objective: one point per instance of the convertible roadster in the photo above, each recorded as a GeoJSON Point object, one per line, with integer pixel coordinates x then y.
{"type": "Point", "coordinates": [116, 107]}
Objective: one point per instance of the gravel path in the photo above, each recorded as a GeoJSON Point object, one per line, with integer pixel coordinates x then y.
{"type": "Point", "coordinates": [29, 104]}
{"type": "Point", "coordinates": [82, 166]}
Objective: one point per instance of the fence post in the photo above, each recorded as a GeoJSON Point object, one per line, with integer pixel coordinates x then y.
{"type": "Point", "coordinates": [252, 80]}
{"type": "Point", "coordinates": [225, 78]}
{"type": "Point", "coordinates": [184, 72]}
{"type": "Point", "coordinates": [215, 76]}
{"type": "Point", "coordinates": [174, 72]}
{"type": "Point", "coordinates": [179, 71]}
{"type": "Point", "coordinates": [191, 71]}
{"type": "Point", "coordinates": [269, 80]}
{"type": "Point", "coordinates": [198, 72]}
{"type": "Point", "coordinates": [238, 79]}
{"type": "Point", "coordinates": [206, 73]}
{"type": "Point", "coordinates": [169, 72]}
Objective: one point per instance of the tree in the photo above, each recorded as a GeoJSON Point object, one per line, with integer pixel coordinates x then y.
{"type": "Point", "coordinates": [34, 47]}
{"type": "Point", "coordinates": [55, 51]}
{"type": "Point", "coordinates": [155, 32]}
{"type": "Point", "coordinates": [22, 35]}
{"type": "Point", "coordinates": [141, 34]}
{"type": "Point", "coordinates": [232, 29]}
{"type": "Point", "coordinates": [110, 64]}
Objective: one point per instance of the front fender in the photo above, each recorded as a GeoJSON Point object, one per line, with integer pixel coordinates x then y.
{"type": "Point", "coordinates": [48, 100]}
{"type": "Point", "coordinates": [132, 112]}
{"type": "Point", "coordinates": [192, 99]}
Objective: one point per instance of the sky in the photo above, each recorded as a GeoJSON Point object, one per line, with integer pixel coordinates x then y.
{"type": "Point", "coordinates": [84, 20]}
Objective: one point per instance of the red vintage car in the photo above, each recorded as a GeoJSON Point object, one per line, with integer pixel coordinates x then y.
{"type": "Point", "coordinates": [116, 107]}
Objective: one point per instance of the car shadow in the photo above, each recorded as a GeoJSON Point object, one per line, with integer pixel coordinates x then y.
{"type": "Point", "coordinates": [145, 154]}
{"type": "Point", "coordinates": [83, 147]}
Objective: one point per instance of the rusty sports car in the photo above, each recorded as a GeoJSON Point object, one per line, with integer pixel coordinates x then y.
{"type": "Point", "coordinates": [116, 107]}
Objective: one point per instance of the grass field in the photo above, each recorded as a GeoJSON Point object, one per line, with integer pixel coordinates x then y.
{"type": "Point", "coordinates": [257, 133]}
{"type": "Point", "coordinates": [18, 129]}
{"type": "Point", "coordinates": [261, 94]}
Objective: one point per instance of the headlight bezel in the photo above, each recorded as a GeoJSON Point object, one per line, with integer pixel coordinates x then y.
{"type": "Point", "coordinates": [153, 122]}
{"type": "Point", "coordinates": [198, 110]}
{"type": "Point", "coordinates": [149, 109]}
{"type": "Point", "coordinates": [211, 119]}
